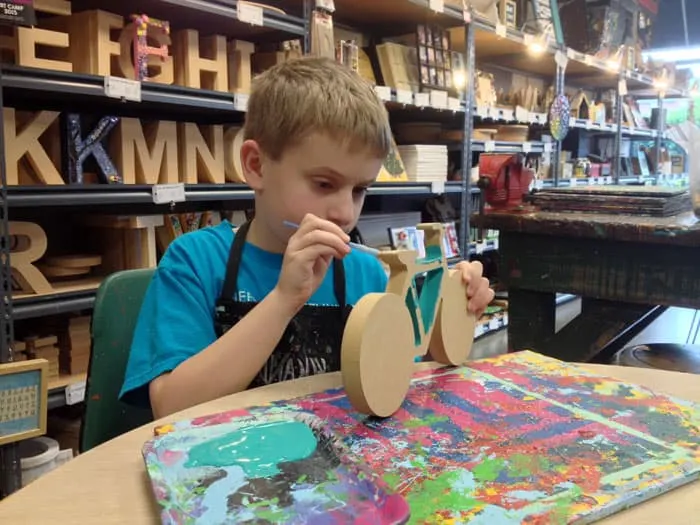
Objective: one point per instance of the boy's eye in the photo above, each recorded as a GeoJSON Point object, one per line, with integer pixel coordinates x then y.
{"type": "Point", "coordinates": [360, 191]}
{"type": "Point", "coordinates": [324, 184]}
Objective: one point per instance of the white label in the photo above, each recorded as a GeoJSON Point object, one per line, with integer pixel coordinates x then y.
{"type": "Point", "coordinates": [75, 393]}
{"type": "Point", "coordinates": [522, 114]}
{"type": "Point", "coordinates": [622, 87]}
{"type": "Point", "coordinates": [384, 92]}
{"type": "Point", "coordinates": [437, 187]}
{"type": "Point", "coordinates": [422, 99]}
{"type": "Point", "coordinates": [548, 147]}
{"type": "Point", "coordinates": [494, 324]}
{"type": "Point", "coordinates": [480, 247]}
{"type": "Point", "coordinates": [480, 330]}
{"type": "Point", "coordinates": [501, 30]}
{"type": "Point", "coordinates": [328, 5]}
{"type": "Point", "coordinates": [588, 59]}
{"type": "Point", "coordinates": [570, 53]}
{"type": "Point", "coordinates": [589, 124]}
{"type": "Point", "coordinates": [505, 319]}
{"type": "Point", "coordinates": [168, 193]}
{"type": "Point", "coordinates": [404, 96]}
{"type": "Point", "coordinates": [240, 101]}
{"type": "Point", "coordinates": [489, 146]}
{"type": "Point", "coordinates": [527, 147]}
{"type": "Point", "coordinates": [123, 88]}
{"type": "Point", "coordinates": [250, 13]}
{"type": "Point", "coordinates": [640, 178]}
{"type": "Point", "coordinates": [561, 59]}
{"type": "Point", "coordinates": [454, 104]}
{"type": "Point", "coordinates": [482, 111]}
{"type": "Point", "coordinates": [572, 122]}
{"type": "Point", "coordinates": [496, 244]}
{"type": "Point", "coordinates": [592, 181]}
{"type": "Point", "coordinates": [608, 180]}
{"type": "Point", "coordinates": [438, 99]}
{"type": "Point", "coordinates": [437, 5]}
{"type": "Point", "coordinates": [539, 184]}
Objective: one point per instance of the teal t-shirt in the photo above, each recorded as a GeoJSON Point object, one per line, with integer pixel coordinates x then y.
{"type": "Point", "coordinates": [177, 316]}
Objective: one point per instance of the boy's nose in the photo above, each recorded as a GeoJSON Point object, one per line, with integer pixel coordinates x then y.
{"type": "Point", "coordinates": [343, 214]}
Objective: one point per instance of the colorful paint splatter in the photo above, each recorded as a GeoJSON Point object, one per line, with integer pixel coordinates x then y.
{"type": "Point", "coordinates": [283, 468]}
{"type": "Point", "coordinates": [517, 439]}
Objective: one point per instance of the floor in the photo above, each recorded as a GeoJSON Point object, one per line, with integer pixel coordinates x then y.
{"type": "Point", "coordinates": [676, 325]}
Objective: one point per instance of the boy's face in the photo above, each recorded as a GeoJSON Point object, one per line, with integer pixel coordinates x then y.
{"type": "Point", "coordinates": [319, 176]}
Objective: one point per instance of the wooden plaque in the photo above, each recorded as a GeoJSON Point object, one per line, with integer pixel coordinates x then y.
{"type": "Point", "coordinates": [23, 400]}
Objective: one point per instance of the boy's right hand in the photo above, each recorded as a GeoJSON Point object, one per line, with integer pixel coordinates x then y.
{"type": "Point", "coordinates": [307, 258]}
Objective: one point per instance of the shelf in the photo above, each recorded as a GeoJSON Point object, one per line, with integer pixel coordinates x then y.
{"type": "Point", "coordinates": [66, 390]}
{"type": "Point", "coordinates": [59, 302]}
{"type": "Point", "coordinates": [218, 17]}
{"type": "Point", "coordinates": [497, 146]}
{"type": "Point", "coordinates": [98, 194]}
{"type": "Point", "coordinates": [589, 125]}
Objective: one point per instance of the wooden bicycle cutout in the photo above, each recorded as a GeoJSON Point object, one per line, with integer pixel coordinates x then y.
{"type": "Point", "coordinates": [385, 332]}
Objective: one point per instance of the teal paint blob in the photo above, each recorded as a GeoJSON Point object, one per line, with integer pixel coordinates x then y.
{"type": "Point", "coordinates": [257, 449]}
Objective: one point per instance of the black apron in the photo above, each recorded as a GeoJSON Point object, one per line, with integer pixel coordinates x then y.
{"type": "Point", "coordinates": [311, 342]}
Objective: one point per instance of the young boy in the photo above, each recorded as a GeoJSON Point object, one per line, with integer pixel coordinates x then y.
{"type": "Point", "coordinates": [222, 316]}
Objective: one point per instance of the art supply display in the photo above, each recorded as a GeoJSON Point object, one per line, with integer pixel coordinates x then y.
{"type": "Point", "coordinates": [281, 468]}
{"type": "Point", "coordinates": [521, 438]}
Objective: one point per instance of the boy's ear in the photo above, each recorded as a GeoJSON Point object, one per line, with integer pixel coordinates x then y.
{"type": "Point", "coordinates": [251, 162]}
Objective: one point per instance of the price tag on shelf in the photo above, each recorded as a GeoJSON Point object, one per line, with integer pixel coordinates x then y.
{"type": "Point", "coordinates": [480, 247]}
{"type": "Point", "coordinates": [437, 187]}
{"type": "Point", "coordinates": [454, 104]}
{"type": "Point", "coordinates": [572, 122]}
{"type": "Point", "coordinates": [75, 393]}
{"type": "Point", "coordinates": [249, 13]}
{"type": "Point", "coordinates": [437, 5]}
{"type": "Point", "coordinates": [622, 87]}
{"type": "Point", "coordinates": [501, 30]}
{"type": "Point", "coordinates": [123, 88]}
{"type": "Point", "coordinates": [589, 124]}
{"type": "Point", "coordinates": [422, 99]}
{"type": "Point", "coordinates": [403, 96]}
{"type": "Point", "coordinates": [592, 181]}
{"type": "Point", "coordinates": [561, 59]}
{"type": "Point", "coordinates": [522, 114]}
{"type": "Point", "coordinates": [384, 92]}
{"type": "Point", "coordinates": [548, 147]}
{"type": "Point", "coordinates": [168, 193]}
{"type": "Point", "coordinates": [240, 101]}
{"type": "Point", "coordinates": [482, 111]}
{"type": "Point", "coordinates": [608, 180]}
{"type": "Point", "coordinates": [494, 324]}
{"type": "Point", "coordinates": [466, 14]}
{"type": "Point", "coordinates": [438, 99]}
{"type": "Point", "coordinates": [527, 147]}
{"type": "Point", "coordinates": [489, 146]}
{"type": "Point", "coordinates": [588, 59]}
{"type": "Point", "coordinates": [496, 244]}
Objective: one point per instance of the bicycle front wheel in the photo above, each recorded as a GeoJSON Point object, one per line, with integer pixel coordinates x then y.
{"type": "Point", "coordinates": [377, 354]}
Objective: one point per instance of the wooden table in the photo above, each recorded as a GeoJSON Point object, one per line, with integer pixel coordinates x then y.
{"type": "Point", "coordinates": [622, 266]}
{"type": "Point", "coordinates": [109, 483]}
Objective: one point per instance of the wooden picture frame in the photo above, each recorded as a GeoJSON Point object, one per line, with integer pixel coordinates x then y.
{"type": "Point", "coordinates": [23, 400]}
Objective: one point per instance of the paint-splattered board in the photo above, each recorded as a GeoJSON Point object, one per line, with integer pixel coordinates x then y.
{"type": "Point", "coordinates": [517, 439]}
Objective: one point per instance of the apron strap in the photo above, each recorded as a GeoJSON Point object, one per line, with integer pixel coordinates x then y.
{"type": "Point", "coordinates": [228, 291]}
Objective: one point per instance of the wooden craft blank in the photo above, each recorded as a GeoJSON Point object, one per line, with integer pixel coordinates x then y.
{"type": "Point", "coordinates": [202, 65]}
{"type": "Point", "coordinates": [29, 246]}
{"type": "Point", "coordinates": [160, 70]}
{"type": "Point", "coordinates": [239, 75]}
{"type": "Point", "coordinates": [380, 342]}
{"type": "Point", "coordinates": [128, 243]}
{"type": "Point", "coordinates": [22, 141]}
{"type": "Point", "coordinates": [146, 154]}
{"type": "Point", "coordinates": [202, 157]}
{"type": "Point", "coordinates": [233, 140]}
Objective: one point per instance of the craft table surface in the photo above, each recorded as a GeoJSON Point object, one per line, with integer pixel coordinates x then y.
{"type": "Point", "coordinates": [109, 484]}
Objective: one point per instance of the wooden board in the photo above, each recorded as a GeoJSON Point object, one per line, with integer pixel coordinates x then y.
{"type": "Point", "coordinates": [79, 285]}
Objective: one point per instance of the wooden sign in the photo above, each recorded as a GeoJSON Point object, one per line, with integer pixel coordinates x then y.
{"type": "Point", "coordinates": [385, 332]}
{"type": "Point", "coordinates": [23, 400]}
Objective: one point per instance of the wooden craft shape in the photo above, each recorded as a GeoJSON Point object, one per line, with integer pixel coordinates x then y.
{"type": "Point", "coordinates": [22, 134]}
{"type": "Point", "coordinates": [146, 154]}
{"type": "Point", "coordinates": [202, 156]}
{"type": "Point", "coordinates": [128, 243]}
{"type": "Point", "coordinates": [141, 60]}
{"type": "Point", "coordinates": [23, 400]}
{"type": "Point", "coordinates": [239, 74]}
{"type": "Point", "coordinates": [233, 140]}
{"type": "Point", "coordinates": [385, 332]}
{"type": "Point", "coordinates": [202, 66]}
{"type": "Point", "coordinates": [30, 41]}
{"type": "Point", "coordinates": [92, 49]}
{"type": "Point", "coordinates": [29, 244]}
{"type": "Point", "coordinates": [322, 41]}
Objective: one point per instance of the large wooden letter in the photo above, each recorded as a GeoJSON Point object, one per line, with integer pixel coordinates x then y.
{"type": "Point", "coordinates": [233, 138]}
{"type": "Point", "coordinates": [28, 38]}
{"type": "Point", "coordinates": [25, 142]}
{"type": "Point", "coordinates": [92, 47]}
{"type": "Point", "coordinates": [138, 57]}
{"type": "Point", "coordinates": [78, 149]}
{"type": "Point", "coordinates": [29, 245]}
{"type": "Point", "coordinates": [127, 242]}
{"type": "Point", "coordinates": [239, 75]}
{"type": "Point", "coordinates": [201, 67]}
{"type": "Point", "coordinates": [148, 157]}
{"type": "Point", "coordinates": [202, 154]}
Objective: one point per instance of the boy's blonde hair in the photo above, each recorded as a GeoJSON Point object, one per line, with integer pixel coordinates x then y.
{"type": "Point", "coordinates": [310, 94]}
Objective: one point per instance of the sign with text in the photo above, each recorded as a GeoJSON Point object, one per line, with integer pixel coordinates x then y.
{"type": "Point", "coordinates": [18, 13]}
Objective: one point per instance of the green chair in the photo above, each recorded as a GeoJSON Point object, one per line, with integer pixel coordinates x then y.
{"type": "Point", "coordinates": [116, 309]}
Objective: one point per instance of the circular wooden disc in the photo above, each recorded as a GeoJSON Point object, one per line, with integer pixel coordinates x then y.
{"type": "Point", "coordinates": [74, 261]}
{"type": "Point", "coordinates": [377, 354]}
{"type": "Point", "coordinates": [61, 271]}
{"type": "Point", "coordinates": [453, 335]}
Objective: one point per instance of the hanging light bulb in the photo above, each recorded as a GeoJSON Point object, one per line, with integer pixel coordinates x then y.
{"type": "Point", "coordinates": [459, 79]}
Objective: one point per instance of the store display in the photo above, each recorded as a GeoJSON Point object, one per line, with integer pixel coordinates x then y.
{"type": "Point", "coordinates": [78, 149]}
{"type": "Point", "coordinates": [23, 388]}
{"type": "Point", "coordinates": [385, 332]}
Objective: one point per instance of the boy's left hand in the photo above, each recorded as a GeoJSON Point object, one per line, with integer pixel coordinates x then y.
{"type": "Point", "coordinates": [479, 290]}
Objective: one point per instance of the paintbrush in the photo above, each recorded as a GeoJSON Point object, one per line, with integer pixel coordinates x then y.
{"type": "Point", "coordinates": [359, 247]}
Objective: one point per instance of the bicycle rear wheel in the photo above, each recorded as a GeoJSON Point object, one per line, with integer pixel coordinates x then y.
{"type": "Point", "coordinates": [377, 354]}
{"type": "Point", "coordinates": [453, 335]}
